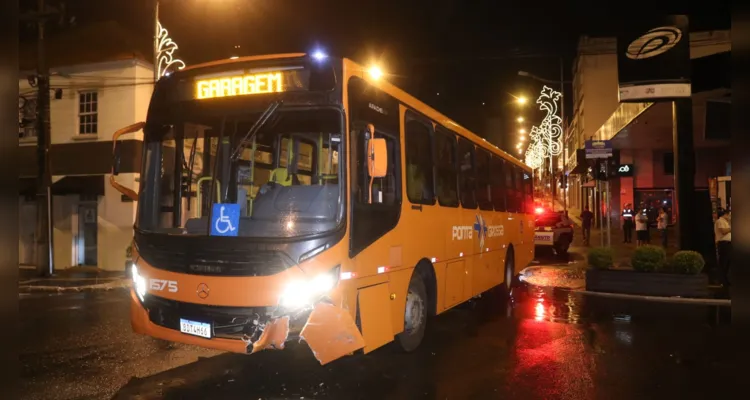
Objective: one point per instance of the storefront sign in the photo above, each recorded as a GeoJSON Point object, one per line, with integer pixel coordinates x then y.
{"type": "Point", "coordinates": [653, 59]}
{"type": "Point", "coordinates": [625, 170]}
{"type": "Point", "coordinates": [598, 149]}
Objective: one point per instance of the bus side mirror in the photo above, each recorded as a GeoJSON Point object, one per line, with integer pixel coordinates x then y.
{"type": "Point", "coordinates": [130, 193]}
{"type": "Point", "coordinates": [377, 158]}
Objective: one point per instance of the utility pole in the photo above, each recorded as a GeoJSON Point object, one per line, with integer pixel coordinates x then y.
{"type": "Point", "coordinates": [44, 227]}
{"type": "Point", "coordinates": [156, 42]}
{"type": "Point", "coordinates": [44, 236]}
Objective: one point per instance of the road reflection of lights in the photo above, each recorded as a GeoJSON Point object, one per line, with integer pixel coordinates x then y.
{"type": "Point", "coordinates": [539, 312]}
{"type": "Point", "coordinates": [624, 337]}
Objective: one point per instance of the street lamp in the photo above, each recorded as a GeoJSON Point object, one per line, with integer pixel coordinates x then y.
{"type": "Point", "coordinates": [522, 131]}
{"type": "Point", "coordinates": [375, 72]}
{"type": "Point", "coordinates": [519, 119]}
{"type": "Point", "coordinates": [521, 100]}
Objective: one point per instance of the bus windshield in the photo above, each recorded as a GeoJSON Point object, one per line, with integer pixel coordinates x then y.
{"type": "Point", "coordinates": [284, 177]}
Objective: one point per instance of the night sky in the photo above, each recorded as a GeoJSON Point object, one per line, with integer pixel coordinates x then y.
{"type": "Point", "coordinates": [468, 52]}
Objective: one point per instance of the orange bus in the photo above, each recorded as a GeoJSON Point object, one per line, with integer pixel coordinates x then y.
{"type": "Point", "coordinates": [291, 197]}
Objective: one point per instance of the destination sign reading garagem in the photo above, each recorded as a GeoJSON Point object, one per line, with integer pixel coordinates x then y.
{"type": "Point", "coordinates": [241, 84]}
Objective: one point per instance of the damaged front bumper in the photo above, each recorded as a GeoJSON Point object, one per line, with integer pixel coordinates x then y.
{"type": "Point", "coordinates": [328, 330]}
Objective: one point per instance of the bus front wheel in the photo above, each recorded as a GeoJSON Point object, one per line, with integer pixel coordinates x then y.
{"type": "Point", "coordinates": [415, 315]}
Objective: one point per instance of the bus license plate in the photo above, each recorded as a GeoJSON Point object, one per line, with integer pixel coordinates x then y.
{"type": "Point", "coordinates": [194, 328]}
{"type": "Point", "coordinates": [544, 238]}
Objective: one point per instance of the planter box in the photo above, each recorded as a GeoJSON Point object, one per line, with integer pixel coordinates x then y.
{"type": "Point", "coordinates": [647, 283]}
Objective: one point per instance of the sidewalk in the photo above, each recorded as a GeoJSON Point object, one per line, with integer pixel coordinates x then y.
{"type": "Point", "coordinates": [75, 279]}
{"type": "Point", "coordinates": [622, 250]}
{"type": "Point", "coordinates": [571, 274]}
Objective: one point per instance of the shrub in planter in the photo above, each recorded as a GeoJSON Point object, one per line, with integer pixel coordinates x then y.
{"type": "Point", "coordinates": [649, 258]}
{"type": "Point", "coordinates": [687, 262]}
{"type": "Point", "coordinates": [601, 258]}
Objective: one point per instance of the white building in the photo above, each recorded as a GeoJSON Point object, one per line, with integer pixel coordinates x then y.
{"type": "Point", "coordinates": [93, 223]}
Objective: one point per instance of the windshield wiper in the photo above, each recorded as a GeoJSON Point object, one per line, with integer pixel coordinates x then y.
{"type": "Point", "coordinates": [248, 138]}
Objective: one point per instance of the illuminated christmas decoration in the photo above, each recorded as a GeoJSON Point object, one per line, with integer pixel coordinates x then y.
{"type": "Point", "coordinates": [546, 139]}
{"type": "Point", "coordinates": [165, 52]}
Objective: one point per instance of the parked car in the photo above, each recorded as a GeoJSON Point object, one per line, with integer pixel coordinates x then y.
{"type": "Point", "coordinates": [552, 231]}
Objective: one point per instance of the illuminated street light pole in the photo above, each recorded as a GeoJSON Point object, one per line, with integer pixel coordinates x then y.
{"type": "Point", "coordinates": [156, 40]}
{"type": "Point", "coordinates": [562, 83]}
{"type": "Point", "coordinates": [164, 48]}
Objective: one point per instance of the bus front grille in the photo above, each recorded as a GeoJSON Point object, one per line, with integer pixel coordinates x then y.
{"type": "Point", "coordinates": [227, 322]}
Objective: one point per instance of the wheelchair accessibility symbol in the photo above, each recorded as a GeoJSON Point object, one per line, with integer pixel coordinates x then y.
{"type": "Point", "coordinates": [225, 219]}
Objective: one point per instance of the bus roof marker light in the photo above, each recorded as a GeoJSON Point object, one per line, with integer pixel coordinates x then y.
{"type": "Point", "coordinates": [434, 260]}
{"type": "Point", "coordinates": [375, 72]}
{"type": "Point", "coordinates": [382, 270]}
{"type": "Point", "coordinates": [319, 55]}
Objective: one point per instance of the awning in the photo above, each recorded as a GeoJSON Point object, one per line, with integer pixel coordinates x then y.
{"type": "Point", "coordinates": [91, 185]}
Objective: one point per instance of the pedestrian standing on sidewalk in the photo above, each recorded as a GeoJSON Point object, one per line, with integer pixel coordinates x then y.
{"type": "Point", "coordinates": [723, 234]}
{"type": "Point", "coordinates": [662, 224]}
{"type": "Point", "coordinates": [641, 228]}
{"type": "Point", "coordinates": [586, 218]}
{"type": "Point", "coordinates": [627, 223]}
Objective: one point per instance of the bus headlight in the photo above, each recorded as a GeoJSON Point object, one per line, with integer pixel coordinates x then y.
{"type": "Point", "coordinates": [300, 294]}
{"type": "Point", "coordinates": [139, 283]}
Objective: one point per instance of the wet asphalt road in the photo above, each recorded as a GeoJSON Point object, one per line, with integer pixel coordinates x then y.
{"type": "Point", "coordinates": [543, 345]}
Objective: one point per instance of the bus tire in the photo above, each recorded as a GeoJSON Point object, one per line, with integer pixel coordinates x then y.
{"type": "Point", "coordinates": [415, 315]}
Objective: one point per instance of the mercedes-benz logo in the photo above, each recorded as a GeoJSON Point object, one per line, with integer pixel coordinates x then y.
{"type": "Point", "coordinates": [654, 42]}
{"type": "Point", "coordinates": [203, 290]}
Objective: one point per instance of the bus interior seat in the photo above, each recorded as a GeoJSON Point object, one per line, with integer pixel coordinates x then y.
{"type": "Point", "coordinates": [283, 177]}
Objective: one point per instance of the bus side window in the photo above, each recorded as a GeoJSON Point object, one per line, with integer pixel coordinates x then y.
{"type": "Point", "coordinates": [447, 176]}
{"type": "Point", "coordinates": [467, 174]}
{"type": "Point", "coordinates": [483, 180]}
{"type": "Point", "coordinates": [497, 177]}
{"type": "Point", "coordinates": [385, 189]}
{"type": "Point", "coordinates": [519, 189]}
{"type": "Point", "coordinates": [528, 191]}
{"type": "Point", "coordinates": [419, 163]}
{"type": "Point", "coordinates": [510, 186]}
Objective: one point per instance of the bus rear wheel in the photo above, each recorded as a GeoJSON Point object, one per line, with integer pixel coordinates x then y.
{"type": "Point", "coordinates": [415, 315]}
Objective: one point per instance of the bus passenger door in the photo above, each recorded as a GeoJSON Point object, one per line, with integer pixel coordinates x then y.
{"type": "Point", "coordinates": [421, 214]}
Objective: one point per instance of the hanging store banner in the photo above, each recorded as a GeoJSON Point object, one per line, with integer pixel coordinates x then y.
{"type": "Point", "coordinates": [653, 59]}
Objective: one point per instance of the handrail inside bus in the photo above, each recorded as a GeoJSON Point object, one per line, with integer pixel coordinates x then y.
{"type": "Point", "coordinates": [199, 198]}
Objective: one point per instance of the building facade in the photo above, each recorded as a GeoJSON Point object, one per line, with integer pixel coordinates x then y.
{"type": "Point", "coordinates": [92, 222]}
{"type": "Point", "coordinates": [641, 133]}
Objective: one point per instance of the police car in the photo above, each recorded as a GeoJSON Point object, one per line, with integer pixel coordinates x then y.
{"type": "Point", "coordinates": [552, 231]}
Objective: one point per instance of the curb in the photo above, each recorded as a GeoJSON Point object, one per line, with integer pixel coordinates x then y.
{"type": "Point", "coordinates": [119, 284]}
{"type": "Point", "coordinates": [661, 299]}
{"type": "Point", "coordinates": [658, 299]}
